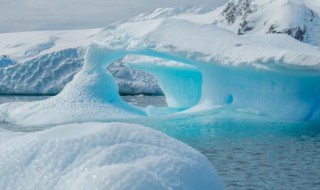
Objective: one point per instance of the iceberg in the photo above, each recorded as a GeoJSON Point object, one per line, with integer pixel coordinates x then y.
{"type": "Point", "coordinates": [100, 156]}
{"type": "Point", "coordinates": [216, 68]}
{"type": "Point", "coordinates": [199, 65]}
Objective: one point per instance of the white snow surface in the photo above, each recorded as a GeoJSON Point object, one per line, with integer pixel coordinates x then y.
{"type": "Point", "coordinates": [114, 156]}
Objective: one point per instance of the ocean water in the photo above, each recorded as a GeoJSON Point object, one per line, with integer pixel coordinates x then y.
{"type": "Point", "coordinates": [248, 152]}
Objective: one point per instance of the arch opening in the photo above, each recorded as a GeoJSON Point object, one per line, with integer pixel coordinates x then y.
{"type": "Point", "coordinates": [181, 83]}
{"type": "Point", "coordinates": [137, 87]}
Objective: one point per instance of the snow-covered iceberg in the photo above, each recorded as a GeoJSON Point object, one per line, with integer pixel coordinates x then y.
{"type": "Point", "coordinates": [101, 156]}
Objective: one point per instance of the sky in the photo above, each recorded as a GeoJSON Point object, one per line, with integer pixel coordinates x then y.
{"type": "Point", "coordinates": [26, 15]}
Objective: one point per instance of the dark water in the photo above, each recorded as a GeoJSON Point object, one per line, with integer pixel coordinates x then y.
{"type": "Point", "coordinates": [247, 152]}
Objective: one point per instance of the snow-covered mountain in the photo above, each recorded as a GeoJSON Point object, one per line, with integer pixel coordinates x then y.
{"type": "Point", "coordinates": [43, 62]}
{"type": "Point", "coordinates": [297, 18]}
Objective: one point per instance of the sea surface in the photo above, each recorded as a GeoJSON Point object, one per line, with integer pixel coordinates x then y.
{"type": "Point", "coordinates": [249, 152]}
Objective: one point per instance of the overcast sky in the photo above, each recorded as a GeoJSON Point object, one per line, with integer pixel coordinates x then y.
{"type": "Point", "coordinates": [22, 15]}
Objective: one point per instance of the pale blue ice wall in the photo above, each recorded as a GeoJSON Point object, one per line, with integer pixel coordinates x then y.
{"type": "Point", "coordinates": [281, 93]}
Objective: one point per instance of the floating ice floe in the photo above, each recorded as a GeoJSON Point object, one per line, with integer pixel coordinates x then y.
{"type": "Point", "coordinates": [99, 156]}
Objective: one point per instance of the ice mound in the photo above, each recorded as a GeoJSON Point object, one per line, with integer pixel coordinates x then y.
{"type": "Point", "coordinates": [98, 156]}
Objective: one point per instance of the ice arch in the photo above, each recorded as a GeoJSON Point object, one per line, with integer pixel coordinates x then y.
{"type": "Point", "coordinates": [281, 93]}
{"type": "Point", "coordinates": [276, 91]}
{"type": "Point", "coordinates": [180, 81]}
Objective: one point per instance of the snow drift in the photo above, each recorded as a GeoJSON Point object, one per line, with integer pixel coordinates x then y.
{"type": "Point", "coordinates": [100, 156]}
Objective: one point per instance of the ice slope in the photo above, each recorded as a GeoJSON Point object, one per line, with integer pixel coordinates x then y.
{"type": "Point", "coordinates": [114, 156]}
{"type": "Point", "coordinates": [43, 62]}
